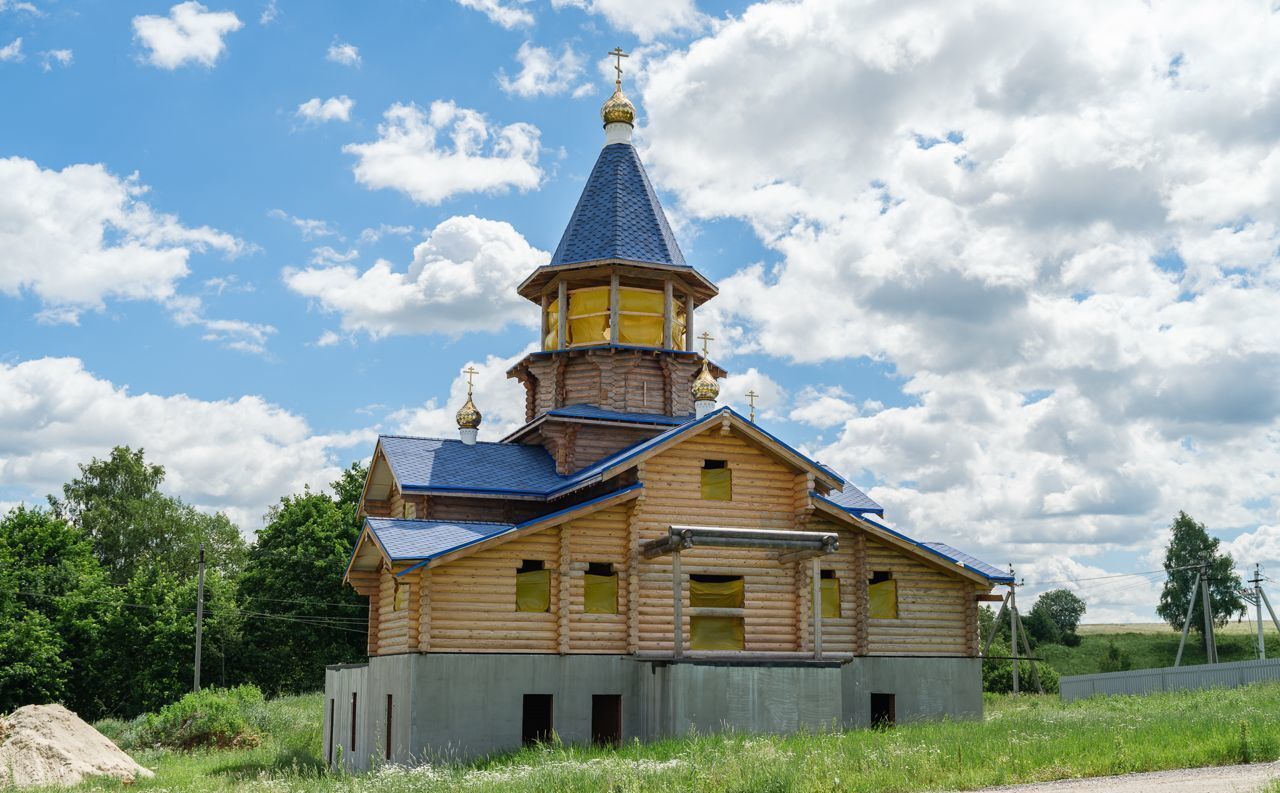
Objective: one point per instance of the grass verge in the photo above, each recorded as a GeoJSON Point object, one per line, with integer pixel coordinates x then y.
{"type": "Point", "coordinates": [1024, 739]}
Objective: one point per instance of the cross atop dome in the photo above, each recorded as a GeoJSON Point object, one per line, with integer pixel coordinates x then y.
{"type": "Point", "coordinates": [618, 114]}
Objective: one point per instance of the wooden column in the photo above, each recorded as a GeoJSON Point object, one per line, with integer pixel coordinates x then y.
{"type": "Point", "coordinates": [613, 308]}
{"type": "Point", "coordinates": [424, 611]}
{"type": "Point", "coordinates": [562, 328]}
{"type": "Point", "coordinates": [688, 322]}
{"type": "Point", "coordinates": [817, 610]}
{"type": "Point", "coordinates": [546, 302]}
{"type": "Point", "coordinates": [677, 587]}
{"type": "Point", "coordinates": [668, 313]}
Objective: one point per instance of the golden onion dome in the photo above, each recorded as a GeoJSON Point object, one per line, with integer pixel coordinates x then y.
{"type": "Point", "coordinates": [705, 387]}
{"type": "Point", "coordinates": [618, 108]}
{"type": "Point", "coordinates": [469, 415]}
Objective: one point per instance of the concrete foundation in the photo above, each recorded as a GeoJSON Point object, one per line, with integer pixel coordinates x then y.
{"type": "Point", "coordinates": [435, 706]}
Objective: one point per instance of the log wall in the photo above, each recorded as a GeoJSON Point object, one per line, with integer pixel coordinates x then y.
{"type": "Point", "coordinates": [933, 608]}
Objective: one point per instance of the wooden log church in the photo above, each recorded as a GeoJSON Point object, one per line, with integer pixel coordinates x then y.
{"type": "Point", "coordinates": [634, 561]}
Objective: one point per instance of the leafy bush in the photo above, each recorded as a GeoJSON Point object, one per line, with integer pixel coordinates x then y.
{"type": "Point", "coordinates": [1116, 660]}
{"type": "Point", "coordinates": [997, 677]}
{"type": "Point", "coordinates": [217, 718]}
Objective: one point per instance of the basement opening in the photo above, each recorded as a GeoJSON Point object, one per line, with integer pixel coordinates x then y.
{"type": "Point", "coordinates": [606, 719]}
{"type": "Point", "coordinates": [535, 724]}
{"type": "Point", "coordinates": [884, 711]}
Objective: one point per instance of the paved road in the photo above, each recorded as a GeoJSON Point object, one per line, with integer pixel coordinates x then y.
{"type": "Point", "coordinates": [1227, 779]}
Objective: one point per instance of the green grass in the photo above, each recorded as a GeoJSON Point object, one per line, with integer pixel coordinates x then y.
{"type": "Point", "coordinates": [1021, 740]}
{"type": "Point", "coordinates": [1149, 649]}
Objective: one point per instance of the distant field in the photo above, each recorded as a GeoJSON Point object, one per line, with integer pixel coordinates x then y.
{"type": "Point", "coordinates": [1160, 627]}
{"type": "Point", "coordinates": [1150, 646]}
{"type": "Point", "coordinates": [1022, 739]}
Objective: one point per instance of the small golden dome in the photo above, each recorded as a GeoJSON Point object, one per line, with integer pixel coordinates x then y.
{"type": "Point", "coordinates": [469, 415]}
{"type": "Point", "coordinates": [705, 387]}
{"type": "Point", "coordinates": [618, 108]}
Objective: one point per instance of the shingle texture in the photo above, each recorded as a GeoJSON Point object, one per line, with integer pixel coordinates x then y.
{"type": "Point", "coordinates": [854, 500]}
{"type": "Point", "coordinates": [990, 571]}
{"type": "Point", "coordinates": [618, 216]}
{"type": "Point", "coordinates": [438, 464]}
{"type": "Point", "coordinates": [423, 539]}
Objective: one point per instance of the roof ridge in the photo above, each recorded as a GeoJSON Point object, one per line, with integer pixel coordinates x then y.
{"type": "Point", "coordinates": [443, 440]}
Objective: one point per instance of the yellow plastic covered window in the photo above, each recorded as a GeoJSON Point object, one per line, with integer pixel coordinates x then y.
{"type": "Point", "coordinates": [882, 597]}
{"type": "Point", "coordinates": [589, 316]}
{"type": "Point", "coordinates": [600, 590]}
{"type": "Point", "coordinates": [678, 329]}
{"type": "Point", "coordinates": [719, 632]}
{"type": "Point", "coordinates": [533, 587]}
{"type": "Point", "coordinates": [552, 340]}
{"type": "Point", "coordinates": [830, 595]}
{"type": "Point", "coordinates": [717, 481]}
{"type": "Point", "coordinates": [640, 316]}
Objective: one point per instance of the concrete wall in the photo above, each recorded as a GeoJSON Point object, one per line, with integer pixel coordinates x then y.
{"type": "Point", "coordinates": [458, 706]}
{"type": "Point", "coordinates": [1145, 681]}
{"type": "Point", "coordinates": [923, 688]}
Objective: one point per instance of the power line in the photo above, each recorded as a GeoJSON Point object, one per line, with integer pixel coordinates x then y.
{"type": "Point", "coordinates": [1113, 575]}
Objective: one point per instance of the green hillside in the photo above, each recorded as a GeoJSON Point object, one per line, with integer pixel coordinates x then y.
{"type": "Point", "coordinates": [1149, 649]}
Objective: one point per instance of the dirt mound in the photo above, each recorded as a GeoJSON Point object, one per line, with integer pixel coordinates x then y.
{"type": "Point", "coordinates": [50, 745]}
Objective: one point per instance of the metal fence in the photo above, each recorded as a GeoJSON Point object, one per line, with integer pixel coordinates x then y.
{"type": "Point", "coordinates": [1169, 678]}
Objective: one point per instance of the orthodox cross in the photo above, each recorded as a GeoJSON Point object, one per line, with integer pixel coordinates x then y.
{"type": "Point", "coordinates": [619, 55]}
{"type": "Point", "coordinates": [470, 373]}
{"type": "Point", "coordinates": [706, 337]}
{"type": "Point", "coordinates": [751, 397]}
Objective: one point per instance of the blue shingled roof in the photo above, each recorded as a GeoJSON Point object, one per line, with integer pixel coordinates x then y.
{"type": "Point", "coordinates": [977, 565]}
{"type": "Point", "coordinates": [419, 539]}
{"type": "Point", "coordinates": [854, 500]}
{"type": "Point", "coordinates": [618, 216]}
{"type": "Point", "coordinates": [440, 464]}
{"type": "Point", "coordinates": [593, 412]}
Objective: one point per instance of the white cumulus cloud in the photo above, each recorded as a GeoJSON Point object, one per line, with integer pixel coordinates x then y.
{"type": "Point", "coordinates": [507, 14]}
{"type": "Point", "coordinates": [499, 398]}
{"type": "Point", "coordinates": [462, 278]}
{"type": "Point", "coordinates": [191, 33]}
{"type": "Point", "coordinates": [1057, 225]}
{"type": "Point", "coordinates": [335, 108]}
{"type": "Point", "coordinates": [344, 53]}
{"type": "Point", "coordinates": [12, 51]}
{"type": "Point", "coordinates": [237, 455]}
{"type": "Point", "coordinates": [647, 20]}
{"type": "Point", "coordinates": [476, 157]}
{"type": "Point", "coordinates": [78, 237]}
{"type": "Point", "coordinates": [542, 73]}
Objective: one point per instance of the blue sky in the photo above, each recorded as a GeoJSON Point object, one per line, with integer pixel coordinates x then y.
{"type": "Point", "coordinates": [1000, 350]}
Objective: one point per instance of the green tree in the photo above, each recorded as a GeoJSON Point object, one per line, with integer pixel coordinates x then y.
{"type": "Point", "coordinates": [300, 616]}
{"type": "Point", "coordinates": [1116, 660]}
{"type": "Point", "coordinates": [1061, 609]}
{"type": "Point", "coordinates": [1189, 545]}
{"type": "Point", "coordinates": [152, 639]}
{"type": "Point", "coordinates": [54, 602]}
{"type": "Point", "coordinates": [132, 525]}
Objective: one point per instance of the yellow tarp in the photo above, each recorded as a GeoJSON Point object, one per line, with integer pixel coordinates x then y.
{"type": "Point", "coordinates": [591, 300]}
{"type": "Point", "coordinates": [645, 301]}
{"type": "Point", "coordinates": [716, 633]}
{"type": "Point", "coordinates": [533, 591]}
{"type": "Point", "coordinates": [552, 340]}
{"type": "Point", "coordinates": [600, 593]}
{"type": "Point", "coordinates": [677, 332]}
{"type": "Point", "coordinates": [830, 597]}
{"type": "Point", "coordinates": [589, 330]}
{"type": "Point", "coordinates": [716, 594]}
{"type": "Point", "coordinates": [640, 329]}
{"type": "Point", "coordinates": [717, 484]}
{"type": "Point", "coordinates": [882, 600]}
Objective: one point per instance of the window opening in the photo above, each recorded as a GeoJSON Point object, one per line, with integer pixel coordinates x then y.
{"type": "Point", "coordinates": [830, 588]}
{"type": "Point", "coordinates": [600, 589]}
{"type": "Point", "coordinates": [535, 725]}
{"type": "Point", "coordinates": [883, 711]}
{"type": "Point", "coordinates": [724, 628]}
{"type": "Point", "coordinates": [533, 586]}
{"type": "Point", "coordinates": [717, 480]}
{"type": "Point", "coordinates": [882, 596]}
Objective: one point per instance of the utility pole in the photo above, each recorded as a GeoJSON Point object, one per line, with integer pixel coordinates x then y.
{"type": "Point", "coordinates": [1013, 627]}
{"type": "Point", "coordinates": [1210, 641]}
{"type": "Point", "coordinates": [1186, 622]}
{"type": "Point", "coordinates": [199, 615]}
{"type": "Point", "coordinates": [1257, 602]}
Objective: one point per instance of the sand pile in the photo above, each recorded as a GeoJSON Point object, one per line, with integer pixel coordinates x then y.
{"type": "Point", "coordinates": [50, 745]}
